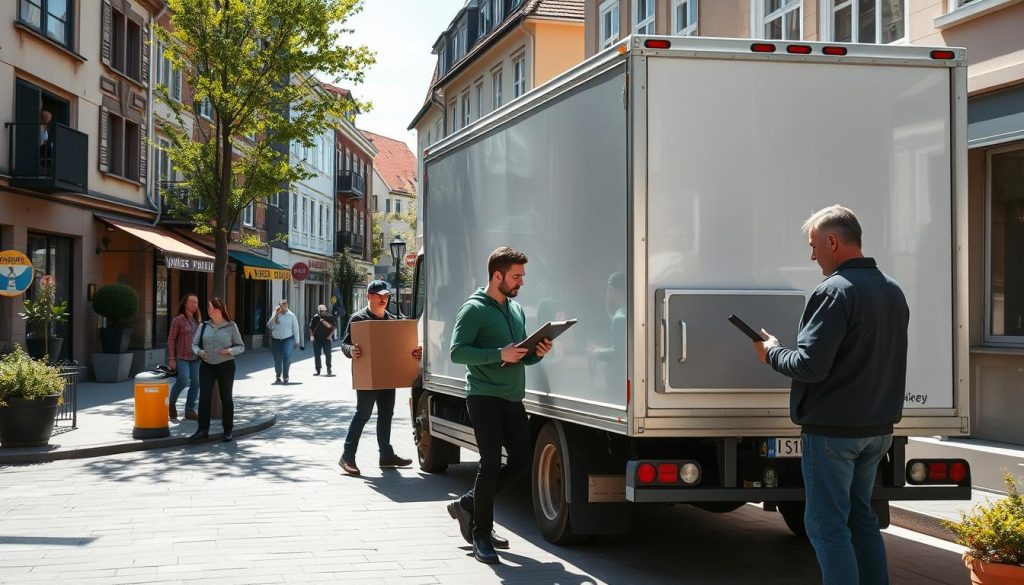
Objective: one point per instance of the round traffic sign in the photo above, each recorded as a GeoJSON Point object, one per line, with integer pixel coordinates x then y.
{"type": "Point", "coordinates": [300, 271]}
{"type": "Point", "coordinates": [410, 259]}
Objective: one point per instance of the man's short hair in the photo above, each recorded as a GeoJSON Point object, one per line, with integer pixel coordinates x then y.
{"type": "Point", "coordinates": [502, 259]}
{"type": "Point", "coordinates": [838, 220]}
{"type": "Point", "coordinates": [321, 308]}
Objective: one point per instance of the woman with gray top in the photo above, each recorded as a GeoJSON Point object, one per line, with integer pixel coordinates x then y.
{"type": "Point", "coordinates": [216, 343]}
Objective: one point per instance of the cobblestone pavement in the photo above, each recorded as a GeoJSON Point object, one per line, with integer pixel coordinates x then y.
{"type": "Point", "coordinates": [275, 508]}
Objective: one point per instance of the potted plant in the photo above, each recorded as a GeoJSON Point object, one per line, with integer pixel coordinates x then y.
{"type": "Point", "coordinates": [40, 316]}
{"type": "Point", "coordinates": [30, 392]}
{"type": "Point", "coordinates": [117, 304]}
{"type": "Point", "coordinates": [994, 536]}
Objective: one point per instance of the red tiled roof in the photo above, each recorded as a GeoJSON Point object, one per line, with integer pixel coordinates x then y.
{"type": "Point", "coordinates": [556, 8]}
{"type": "Point", "coordinates": [395, 163]}
{"type": "Point", "coordinates": [338, 91]}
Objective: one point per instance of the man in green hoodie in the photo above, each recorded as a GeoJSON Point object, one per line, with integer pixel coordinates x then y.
{"type": "Point", "coordinates": [488, 326]}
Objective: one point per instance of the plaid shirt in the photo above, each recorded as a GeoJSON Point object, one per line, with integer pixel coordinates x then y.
{"type": "Point", "coordinates": [179, 340]}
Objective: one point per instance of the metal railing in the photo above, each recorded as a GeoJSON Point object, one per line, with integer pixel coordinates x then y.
{"type": "Point", "coordinates": [350, 240]}
{"type": "Point", "coordinates": [68, 411]}
{"type": "Point", "coordinates": [351, 183]}
{"type": "Point", "coordinates": [179, 203]}
{"type": "Point", "coordinates": [56, 161]}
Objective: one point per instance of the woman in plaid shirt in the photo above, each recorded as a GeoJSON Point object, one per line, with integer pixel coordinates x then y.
{"type": "Point", "coordinates": [181, 358]}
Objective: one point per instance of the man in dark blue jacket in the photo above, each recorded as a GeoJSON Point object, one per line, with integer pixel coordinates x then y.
{"type": "Point", "coordinates": [849, 374]}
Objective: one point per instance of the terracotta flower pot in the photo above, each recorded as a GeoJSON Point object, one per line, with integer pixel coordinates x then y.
{"type": "Point", "coordinates": [983, 573]}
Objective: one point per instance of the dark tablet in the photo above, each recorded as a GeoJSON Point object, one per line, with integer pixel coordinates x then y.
{"type": "Point", "coordinates": [742, 326]}
{"type": "Point", "coordinates": [550, 331]}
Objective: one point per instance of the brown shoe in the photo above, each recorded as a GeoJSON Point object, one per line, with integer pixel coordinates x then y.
{"type": "Point", "coordinates": [191, 415]}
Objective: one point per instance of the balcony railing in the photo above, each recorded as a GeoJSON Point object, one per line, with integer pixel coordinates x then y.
{"type": "Point", "coordinates": [351, 184]}
{"type": "Point", "coordinates": [350, 240]}
{"type": "Point", "coordinates": [179, 204]}
{"type": "Point", "coordinates": [56, 162]}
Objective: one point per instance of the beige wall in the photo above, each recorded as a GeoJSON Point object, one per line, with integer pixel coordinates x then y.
{"type": "Point", "coordinates": [558, 47]}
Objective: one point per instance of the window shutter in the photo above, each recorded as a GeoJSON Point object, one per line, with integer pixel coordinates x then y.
{"type": "Point", "coordinates": [106, 33]}
{"type": "Point", "coordinates": [143, 154]}
{"type": "Point", "coordinates": [145, 49]}
{"type": "Point", "coordinates": [104, 139]}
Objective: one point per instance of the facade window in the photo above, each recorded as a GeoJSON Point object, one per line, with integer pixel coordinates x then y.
{"type": "Point", "coordinates": [398, 206]}
{"type": "Point", "coordinates": [123, 147]}
{"type": "Point", "coordinates": [643, 17]}
{"type": "Point", "coordinates": [249, 214]}
{"type": "Point", "coordinates": [779, 19]}
{"type": "Point", "coordinates": [684, 17]}
{"type": "Point", "coordinates": [1005, 240]}
{"type": "Point", "coordinates": [126, 46]}
{"type": "Point", "coordinates": [457, 46]}
{"type": "Point", "coordinates": [376, 207]}
{"type": "Point", "coordinates": [486, 16]}
{"type": "Point", "coordinates": [609, 23]}
{"type": "Point", "coordinates": [479, 100]}
{"type": "Point", "coordinates": [387, 205]}
{"type": "Point", "coordinates": [519, 77]}
{"type": "Point", "coordinates": [496, 82]}
{"type": "Point", "coordinates": [51, 18]}
{"type": "Point", "coordinates": [868, 21]}
{"type": "Point", "coordinates": [205, 109]}
{"type": "Point", "coordinates": [167, 74]}
{"type": "Point", "coordinates": [455, 117]}
{"type": "Point", "coordinates": [954, 4]}
{"type": "Point", "coordinates": [442, 60]}
{"type": "Point", "coordinates": [465, 110]}
{"type": "Point", "coordinates": [295, 211]}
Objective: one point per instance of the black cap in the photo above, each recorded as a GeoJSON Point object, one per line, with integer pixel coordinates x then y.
{"type": "Point", "coordinates": [378, 287]}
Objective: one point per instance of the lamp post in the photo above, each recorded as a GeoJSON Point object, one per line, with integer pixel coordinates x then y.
{"type": "Point", "coordinates": [397, 253]}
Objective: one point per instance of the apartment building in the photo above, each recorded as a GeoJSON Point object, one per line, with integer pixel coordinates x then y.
{"type": "Point", "coordinates": [991, 30]}
{"type": "Point", "coordinates": [493, 52]}
{"type": "Point", "coordinates": [394, 188]}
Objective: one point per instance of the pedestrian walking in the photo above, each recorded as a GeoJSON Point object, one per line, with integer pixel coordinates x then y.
{"type": "Point", "coordinates": [284, 339]}
{"type": "Point", "coordinates": [321, 327]}
{"type": "Point", "coordinates": [377, 295]}
{"type": "Point", "coordinates": [487, 327]}
{"type": "Point", "coordinates": [217, 342]}
{"type": "Point", "coordinates": [181, 359]}
{"type": "Point", "coordinates": [849, 375]}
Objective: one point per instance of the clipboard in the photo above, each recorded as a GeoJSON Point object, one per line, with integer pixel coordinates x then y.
{"type": "Point", "coordinates": [549, 330]}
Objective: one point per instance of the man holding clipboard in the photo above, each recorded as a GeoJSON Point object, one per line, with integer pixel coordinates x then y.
{"type": "Point", "coordinates": [487, 330]}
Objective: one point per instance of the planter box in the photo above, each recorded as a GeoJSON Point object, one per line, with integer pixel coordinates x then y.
{"type": "Point", "coordinates": [112, 367]}
{"type": "Point", "coordinates": [27, 423]}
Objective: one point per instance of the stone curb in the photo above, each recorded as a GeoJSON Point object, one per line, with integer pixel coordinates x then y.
{"type": "Point", "coordinates": [919, 522]}
{"type": "Point", "coordinates": [22, 456]}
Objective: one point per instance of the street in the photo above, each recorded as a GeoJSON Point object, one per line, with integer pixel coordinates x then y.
{"type": "Point", "coordinates": [275, 508]}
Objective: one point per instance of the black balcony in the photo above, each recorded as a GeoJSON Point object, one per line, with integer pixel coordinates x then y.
{"type": "Point", "coordinates": [351, 184]}
{"type": "Point", "coordinates": [179, 203]}
{"type": "Point", "coordinates": [52, 162]}
{"type": "Point", "coordinates": [350, 240]}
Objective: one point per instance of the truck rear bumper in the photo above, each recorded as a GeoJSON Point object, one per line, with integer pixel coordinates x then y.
{"type": "Point", "coordinates": [697, 494]}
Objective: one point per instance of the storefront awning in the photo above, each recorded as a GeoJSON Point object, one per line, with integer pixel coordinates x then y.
{"type": "Point", "coordinates": [260, 268]}
{"type": "Point", "coordinates": [997, 117]}
{"type": "Point", "coordinates": [178, 254]}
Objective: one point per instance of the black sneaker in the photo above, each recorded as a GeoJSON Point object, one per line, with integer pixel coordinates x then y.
{"type": "Point", "coordinates": [316, 373]}
{"type": "Point", "coordinates": [349, 465]}
{"type": "Point", "coordinates": [394, 461]}
{"type": "Point", "coordinates": [277, 380]}
{"type": "Point", "coordinates": [483, 550]}
{"type": "Point", "coordinates": [465, 518]}
{"type": "Point", "coordinates": [498, 541]}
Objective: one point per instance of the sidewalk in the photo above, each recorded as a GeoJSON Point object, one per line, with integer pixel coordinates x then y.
{"type": "Point", "coordinates": [106, 417]}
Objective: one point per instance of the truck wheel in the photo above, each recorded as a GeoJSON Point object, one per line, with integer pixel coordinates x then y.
{"type": "Point", "coordinates": [429, 451]}
{"type": "Point", "coordinates": [793, 514]}
{"type": "Point", "coordinates": [550, 507]}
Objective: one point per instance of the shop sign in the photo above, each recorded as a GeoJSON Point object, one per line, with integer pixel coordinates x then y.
{"type": "Point", "coordinates": [300, 271]}
{"type": "Point", "coordinates": [316, 277]}
{"type": "Point", "coordinates": [186, 263]}
{"type": "Point", "coordinates": [16, 273]}
{"type": "Point", "coordinates": [318, 264]}
{"type": "Point", "coordinates": [257, 273]}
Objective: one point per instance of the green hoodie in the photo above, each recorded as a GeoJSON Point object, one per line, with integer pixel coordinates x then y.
{"type": "Point", "coordinates": [482, 328]}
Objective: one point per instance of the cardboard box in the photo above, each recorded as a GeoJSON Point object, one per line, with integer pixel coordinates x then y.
{"type": "Point", "coordinates": [387, 360]}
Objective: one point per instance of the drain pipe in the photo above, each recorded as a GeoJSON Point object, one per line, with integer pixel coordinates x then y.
{"type": "Point", "coordinates": [153, 193]}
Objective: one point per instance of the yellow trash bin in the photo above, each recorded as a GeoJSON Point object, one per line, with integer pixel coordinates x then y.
{"type": "Point", "coordinates": [152, 395]}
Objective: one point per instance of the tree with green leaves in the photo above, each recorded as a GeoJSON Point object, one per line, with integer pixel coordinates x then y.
{"type": "Point", "coordinates": [250, 65]}
{"type": "Point", "coordinates": [345, 274]}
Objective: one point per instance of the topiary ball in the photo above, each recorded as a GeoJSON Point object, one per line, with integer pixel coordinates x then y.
{"type": "Point", "coordinates": [117, 302]}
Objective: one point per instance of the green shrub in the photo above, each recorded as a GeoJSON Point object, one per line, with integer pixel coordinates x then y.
{"type": "Point", "coordinates": [116, 302]}
{"type": "Point", "coordinates": [24, 377]}
{"type": "Point", "coordinates": [993, 532]}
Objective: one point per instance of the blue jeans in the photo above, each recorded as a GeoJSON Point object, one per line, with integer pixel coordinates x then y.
{"type": "Point", "coordinates": [188, 373]}
{"type": "Point", "coordinates": [365, 399]}
{"type": "Point", "coordinates": [839, 476]}
{"type": "Point", "coordinates": [282, 350]}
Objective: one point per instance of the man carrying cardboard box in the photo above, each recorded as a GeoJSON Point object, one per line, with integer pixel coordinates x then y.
{"type": "Point", "coordinates": [377, 294]}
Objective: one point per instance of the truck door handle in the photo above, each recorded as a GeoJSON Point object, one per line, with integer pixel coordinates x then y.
{"type": "Point", "coordinates": [664, 341]}
{"type": "Point", "coordinates": [682, 341]}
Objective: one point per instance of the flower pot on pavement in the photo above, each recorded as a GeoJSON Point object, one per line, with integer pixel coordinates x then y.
{"type": "Point", "coordinates": [38, 347]}
{"type": "Point", "coordinates": [112, 367]}
{"type": "Point", "coordinates": [115, 339]}
{"type": "Point", "coordinates": [28, 422]}
{"type": "Point", "coordinates": [983, 573]}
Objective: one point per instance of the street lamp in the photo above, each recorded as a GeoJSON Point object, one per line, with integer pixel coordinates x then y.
{"type": "Point", "coordinates": [398, 252]}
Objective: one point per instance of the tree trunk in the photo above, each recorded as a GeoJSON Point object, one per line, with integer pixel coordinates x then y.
{"type": "Point", "coordinates": [224, 218]}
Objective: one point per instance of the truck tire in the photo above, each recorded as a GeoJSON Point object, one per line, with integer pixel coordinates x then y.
{"type": "Point", "coordinates": [793, 514]}
{"type": "Point", "coordinates": [548, 483]}
{"type": "Point", "coordinates": [433, 454]}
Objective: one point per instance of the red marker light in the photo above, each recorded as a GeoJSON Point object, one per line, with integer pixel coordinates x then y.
{"type": "Point", "coordinates": [945, 55]}
{"type": "Point", "coordinates": [937, 471]}
{"type": "Point", "coordinates": [799, 49]}
{"type": "Point", "coordinates": [657, 44]}
{"type": "Point", "coordinates": [834, 51]}
{"type": "Point", "coordinates": [957, 471]}
{"type": "Point", "coordinates": [646, 473]}
{"type": "Point", "coordinates": [762, 48]}
{"type": "Point", "coordinates": [668, 472]}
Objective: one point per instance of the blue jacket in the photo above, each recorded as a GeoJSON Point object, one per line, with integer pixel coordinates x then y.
{"type": "Point", "coordinates": [849, 369]}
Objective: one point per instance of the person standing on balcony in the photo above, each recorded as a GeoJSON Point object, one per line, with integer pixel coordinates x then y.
{"type": "Point", "coordinates": [181, 358]}
{"type": "Point", "coordinates": [284, 339]}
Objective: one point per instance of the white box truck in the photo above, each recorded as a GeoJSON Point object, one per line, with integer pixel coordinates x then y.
{"type": "Point", "coordinates": [659, 187]}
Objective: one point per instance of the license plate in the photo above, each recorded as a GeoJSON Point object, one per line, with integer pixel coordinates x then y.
{"type": "Point", "coordinates": [784, 448]}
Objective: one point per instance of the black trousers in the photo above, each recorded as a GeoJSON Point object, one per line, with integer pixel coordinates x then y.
{"type": "Point", "coordinates": [224, 374]}
{"type": "Point", "coordinates": [497, 423]}
{"type": "Point", "coordinates": [324, 346]}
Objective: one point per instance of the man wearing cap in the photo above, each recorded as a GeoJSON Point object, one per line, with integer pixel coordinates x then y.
{"type": "Point", "coordinates": [377, 295]}
{"type": "Point", "coordinates": [321, 326]}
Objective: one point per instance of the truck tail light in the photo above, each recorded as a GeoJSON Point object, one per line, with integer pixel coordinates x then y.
{"type": "Point", "coordinates": [657, 44]}
{"type": "Point", "coordinates": [646, 473]}
{"type": "Point", "coordinates": [799, 49]}
{"type": "Point", "coordinates": [668, 472]}
{"type": "Point", "coordinates": [689, 473]}
{"type": "Point", "coordinates": [834, 51]}
{"type": "Point", "coordinates": [943, 55]}
{"type": "Point", "coordinates": [938, 472]}
{"type": "Point", "coordinates": [762, 48]}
